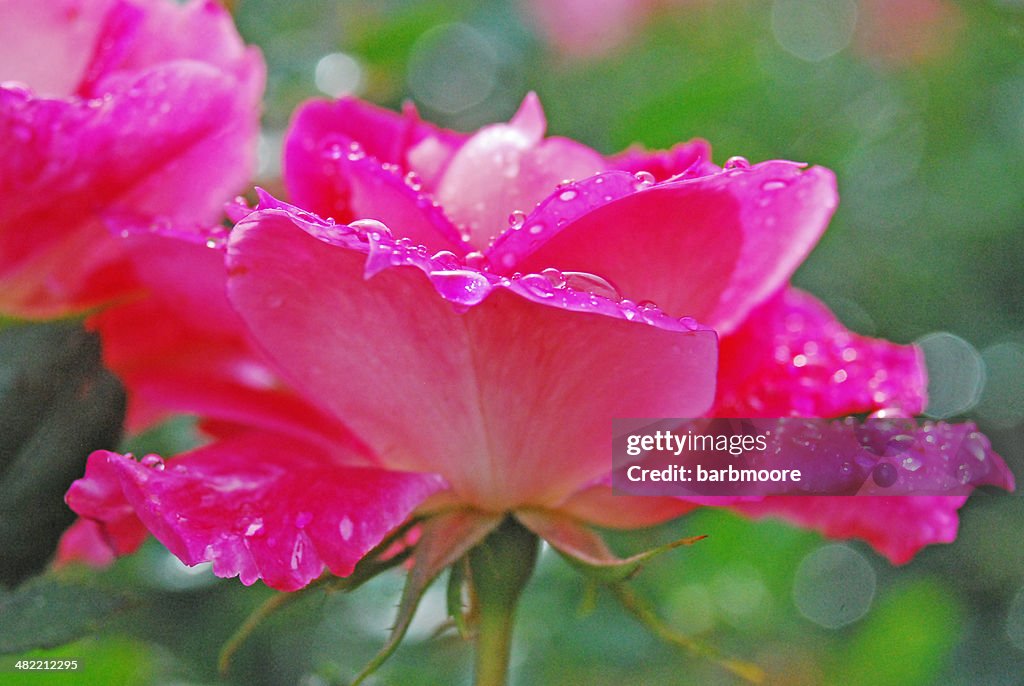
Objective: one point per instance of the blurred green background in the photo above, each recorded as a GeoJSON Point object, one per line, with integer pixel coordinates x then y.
{"type": "Point", "coordinates": [919, 108]}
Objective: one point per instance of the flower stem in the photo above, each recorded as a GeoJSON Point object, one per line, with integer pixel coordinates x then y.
{"type": "Point", "coordinates": [499, 569]}
{"type": "Point", "coordinates": [493, 646]}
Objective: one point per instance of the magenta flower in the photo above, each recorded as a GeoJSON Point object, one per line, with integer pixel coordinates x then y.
{"type": "Point", "coordinates": [113, 113]}
{"type": "Point", "coordinates": [482, 378]}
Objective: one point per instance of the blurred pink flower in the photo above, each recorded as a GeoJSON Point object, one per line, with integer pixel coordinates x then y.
{"type": "Point", "coordinates": [113, 112]}
{"type": "Point", "coordinates": [486, 374]}
{"type": "Point", "coordinates": [892, 34]}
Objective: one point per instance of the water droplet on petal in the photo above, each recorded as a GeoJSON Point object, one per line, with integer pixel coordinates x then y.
{"type": "Point", "coordinates": [911, 463]}
{"type": "Point", "coordinates": [644, 179]}
{"type": "Point", "coordinates": [332, 151]}
{"type": "Point", "coordinates": [963, 473]}
{"type": "Point", "coordinates": [412, 180]}
{"type": "Point", "coordinates": [568, 195]}
{"type": "Point", "coordinates": [689, 323]}
{"type": "Point", "coordinates": [154, 461]}
{"type": "Point", "coordinates": [254, 527]}
{"type": "Point", "coordinates": [463, 286]}
{"type": "Point", "coordinates": [773, 185]}
{"type": "Point", "coordinates": [297, 552]}
{"type": "Point", "coordinates": [477, 260]}
{"type": "Point", "coordinates": [975, 446]}
{"type": "Point", "coordinates": [884, 474]}
{"type": "Point", "coordinates": [539, 285]}
{"type": "Point", "coordinates": [345, 528]}
{"type": "Point", "coordinates": [591, 283]}
{"type": "Point", "coordinates": [355, 152]}
{"type": "Point", "coordinates": [516, 220]}
{"type": "Point", "coordinates": [536, 229]}
{"type": "Point", "coordinates": [370, 227]}
{"type": "Point", "coordinates": [737, 162]}
{"type": "Point", "coordinates": [554, 276]}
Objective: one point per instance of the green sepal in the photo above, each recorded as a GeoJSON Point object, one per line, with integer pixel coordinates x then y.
{"type": "Point", "coordinates": [456, 610]}
{"type": "Point", "coordinates": [587, 551]}
{"type": "Point", "coordinates": [444, 540]}
{"type": "Point", "coordinates": [747, 671]}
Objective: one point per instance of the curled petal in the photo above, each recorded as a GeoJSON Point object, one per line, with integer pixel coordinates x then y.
{"type": "Point", "coordinates": [792, 357]}
{"type": "Point", "coordinates": [509, 167]}
{"type": "Point", "coordinates": [689, 159]}
{"type": "Point", "coordinates": [711, 247]}
{"type": "Point", "coordinates": [108, 526]}
{"type": "Point", "coordinates": [348, 160]}
{"type": "Point", "coordinates": [86, 541]}
{"type": "Point", "coordinates": [572, 201]}
{"type": "Point", "coordinates": [402, 140]}
{"type": "Point", "coordinates": [505, 386]}
{"type": "Point", "coordinates": [263, 507]}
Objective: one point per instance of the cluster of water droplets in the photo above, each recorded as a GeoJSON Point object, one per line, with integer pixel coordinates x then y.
{"type": "Point", "coordinates": [468, 280]}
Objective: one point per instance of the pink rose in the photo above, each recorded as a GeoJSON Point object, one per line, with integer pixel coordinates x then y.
{"type": "Point", "coordinates": [489, 304]}
{"type": "Point", "coordinates": [113, 113]}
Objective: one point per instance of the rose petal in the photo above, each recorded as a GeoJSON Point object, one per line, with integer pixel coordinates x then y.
{"type": "Point", "coordinates": [511, 400]}
{"type": "Point", "coordinates": [597, 505]}
{"type": "Point", "coordinates": [171, 139]}
{"type": "Point", "coordinates": [48, 45]}
{"type": "Point", "coordinates": [348, 160]}
{"type": "Point", "coordinates": [264, 507]}
{"type": "Point", "coordinates": [138, 36]}
{"type": "Point", "coordinates": [934, 460]}
{"type": "Point", "coordinates": [571, 202]}
{"type": "Point", "coordinates": [184, 349]}
{"type": "Point", "coordinates": [508, 167]}
{"type": "Point", "coordinates": [85, 542]}
{"type": "Point", "coordinates": [399, 139]}
{"type": "Point", "coordinates": [711, 247]}
{"type": "Point", "coordinates": [692, 158]}
{"type": "Point", "coordinates": [791, 357]}
{"type": "Point", "coordinates": [896, 526]}
{"type": "Point", "coordinates": [108, 526]}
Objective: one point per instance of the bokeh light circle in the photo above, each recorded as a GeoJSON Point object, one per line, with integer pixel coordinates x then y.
{"type": "Point", "coordinates": [834, 586]}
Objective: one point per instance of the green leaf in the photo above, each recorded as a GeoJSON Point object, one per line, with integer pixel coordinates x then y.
{"type": "Point", "coordinates": [444, 540]}
{"type": "Point", "coordinates": [50, 611]}
{"type": "Point", "coordinates": [456, 580]}
{"type": "Point", "coordinates": [587, 551]}
{"type": "Point", "coordinates": [57, 405]}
